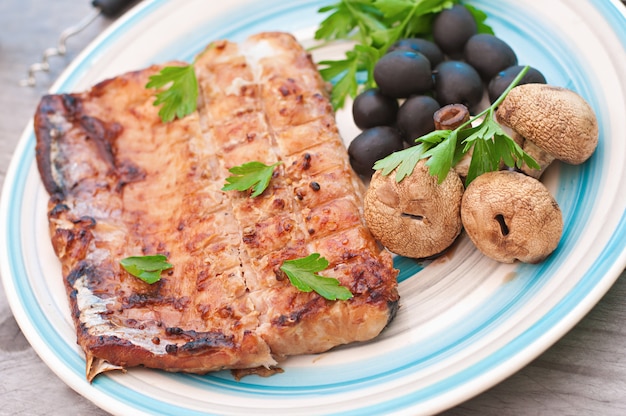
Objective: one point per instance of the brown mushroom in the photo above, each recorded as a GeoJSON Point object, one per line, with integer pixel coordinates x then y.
{"type": "Point", "coordinates": [449, 117]}
{"type": "Point", "coordinates": [510, 216]}
{"type": "Point", "coordinates": [555, 122]}
{"type": "Point", "coordinates": [417, 217]}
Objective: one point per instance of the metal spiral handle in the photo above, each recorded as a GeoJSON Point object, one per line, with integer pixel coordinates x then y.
{"type": "Point", "coordinates": [108, 8]}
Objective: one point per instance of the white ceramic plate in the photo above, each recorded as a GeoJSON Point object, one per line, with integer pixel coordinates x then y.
{"type": "Point", "coordinates": [465, 322]}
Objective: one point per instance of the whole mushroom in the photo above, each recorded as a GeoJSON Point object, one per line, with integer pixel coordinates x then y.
{"type": "Point", "coordinates": [417, 217]}
{"type": "Point", "coordinates": [510, 216]}
{"type": "Point", "coordinates": [555, 123]}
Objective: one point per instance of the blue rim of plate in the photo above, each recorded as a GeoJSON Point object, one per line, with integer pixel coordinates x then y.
{"type": "Point", "coordinates": [606, 267]}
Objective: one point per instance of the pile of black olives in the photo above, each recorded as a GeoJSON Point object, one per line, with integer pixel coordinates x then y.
{"type": "Point", "coordinates": [416, 77]}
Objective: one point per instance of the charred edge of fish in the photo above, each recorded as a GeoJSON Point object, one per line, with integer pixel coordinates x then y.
{"type": "Point", "coordinates": [83, 268]}
{"type": "Point", "coordinates": [86, 221]}
{"type": "Point", "coordinates": [128, 173]}
{"type": "Point", "coordinates": [72, 105]}
{"type": "Point", "coordinates": [392, 306]}
{"type": "Point", "coordinates": [209, 342]}
{"type": "Point", "coordinates": [197, 342]}
{"type": "Point", "coordinates": [174, 331]}
{"type": "Point", "coordinates": [58, 209]}
{"type": "Point", "coordinates": [103, 134]}
{"type": "Point", "coordinates": [192, 334]}
{"type": "Point", "coordinates": [74, 242]}
{"type": "Point", "coordinates": [75, 310]}
{"type": "Point", "coordinates": [142, 300]}
{"type": "Point", "coordinates": [240, 373]}
{"type": "Point", "coordinates": [311, 307]}
{"type": "Point", "coordinates": [46, 133]}
{"type": "Point", "coordinates": [285, 320]}
{"type": "Point", "coordinates": [109, 342]}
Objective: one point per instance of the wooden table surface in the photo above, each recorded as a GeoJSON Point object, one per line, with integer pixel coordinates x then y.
{"type": "Point", "coordinates": [582, 374]}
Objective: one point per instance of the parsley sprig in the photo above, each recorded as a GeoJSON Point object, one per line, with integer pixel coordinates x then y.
{"type": "Point", "coordinates": [177, 91]}
{"type": "Point", "coordinates": [444, 148]}
{"type": "Point", "coordinates": [146, 268]}
{"type": "Point", "coordinates": [374, 25]}
{"type": "Point", "coordinates": [302, 273]}
{"type": "Point", "coordinates": [251, 175]}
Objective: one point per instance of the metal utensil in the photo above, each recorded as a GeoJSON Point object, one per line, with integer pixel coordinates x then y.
{"type": "Point", "coordinates": [106, 8]}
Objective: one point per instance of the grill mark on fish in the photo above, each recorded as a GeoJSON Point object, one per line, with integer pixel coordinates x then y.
{"type": "Point", "coordinates": [104, 135]}
{"type": "Point", "coordinates": [123, 183]}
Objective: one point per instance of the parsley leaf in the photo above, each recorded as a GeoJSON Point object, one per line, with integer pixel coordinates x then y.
{"type": "Point", "coordinates": [444, 148]}
{"type": "Point", "coordinates": [375, 25]}
{"type": "Point", "coordinates": [179, 91]}
{"type": "Point", "coordinates": [347, 16]}
{"type": "Point", "coordinates": [147, 268]}
{"type": "Point", "coordinates": [302, 273]}
{"type": "Point", "coordinates": [492, 146]}
{"type": "Point", "coordinates": [255, 175]}
{"type": "Point", "coordinates": [344, 73]}
{"type": "Point", "coordinates": [408, 17]}
{"type": "Point", "coordinates": [405, 160]}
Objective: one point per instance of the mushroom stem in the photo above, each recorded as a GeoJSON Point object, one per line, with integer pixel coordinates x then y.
{"type": "Point", "coordinates": [451, 116]}
{"type": "Point", "coordinates": [543, 158]}
{"type": "Point", "coordinates": [462, 166]}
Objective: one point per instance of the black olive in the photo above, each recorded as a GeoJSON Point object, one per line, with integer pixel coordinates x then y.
{"type": "Point", "coordinates": [456, 82]}
{"type": "Point", "coordinates": [427, 48]}
{"type": "Point", "coordinates": [415, 117]}
{"type": "Point", "coordinates": [400, 74]}
{"type": "Point", "coordinates": [452, 28]}
{"type": "Point", "coordinates": [371, 145]}
{"type": "Point", "coordinates": [488, 55]}
{"type": "Point", "coordinates": [371, 109]}
{"type": "Point", "coordinates": [500, 82]}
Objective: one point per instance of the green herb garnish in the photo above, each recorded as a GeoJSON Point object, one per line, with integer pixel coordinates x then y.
{"type": "Point", "coordinates": [374, 25]}
{"type": "Point", "coordinates": [444, 148]}
{"type": "Point", "coordinates": [252, 175]}
{"type": "Point", "coordinates": [179, 91]}
{"type": "Point", "coordinates": [146, 268]}
{"type": "Point", "coordinates": [302, 274]}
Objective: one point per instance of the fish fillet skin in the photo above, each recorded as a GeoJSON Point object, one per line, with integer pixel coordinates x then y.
{"type": "Point", "coordinates": [122, 183]}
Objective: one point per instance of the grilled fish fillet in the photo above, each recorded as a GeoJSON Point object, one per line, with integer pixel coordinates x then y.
{"type": "Point", "coordinates": [122, 183]}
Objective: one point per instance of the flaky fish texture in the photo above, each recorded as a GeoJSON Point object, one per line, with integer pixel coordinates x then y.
{"type": "Point", "coordinates": [123, 183]}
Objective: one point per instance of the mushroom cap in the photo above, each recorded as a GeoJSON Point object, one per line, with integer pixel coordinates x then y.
{"type": "Point", "coordinates": [417, 217]}
{"type": "Point", "coordinates": [555, 119]}
{"type": "Point", "coordinates": [510, 216]}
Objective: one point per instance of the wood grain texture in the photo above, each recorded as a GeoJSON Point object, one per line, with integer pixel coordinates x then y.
{"type": "Point", "coordinates": [582, 374]}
